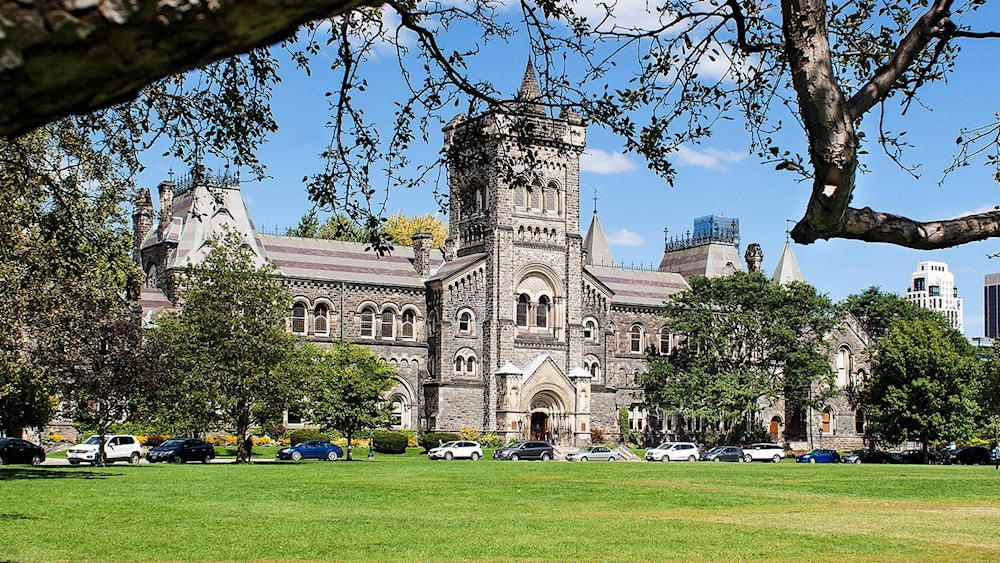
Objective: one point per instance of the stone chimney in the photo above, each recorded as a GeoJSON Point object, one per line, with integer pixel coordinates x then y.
{"type": "Point", "coordinates": [422, 253]}
{"type": "Point", "coordinates": [166, 208]}
{"type": "Point", "coordinates": [142, 221]}
{"type": "Point", "coordinates": [754, 256]}
{"type": "Point", "coordinates": [449, 249]}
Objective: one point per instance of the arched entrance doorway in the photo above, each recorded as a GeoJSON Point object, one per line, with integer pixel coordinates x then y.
{"type": "Point", "coordinates": [540, 429]}
{"type": "Point", "coordinates": [775, 428]}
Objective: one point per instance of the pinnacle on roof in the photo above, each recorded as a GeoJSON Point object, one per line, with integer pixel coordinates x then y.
{"type": "Point", "coordinates": [529, 95]}
{"type": "Point", "coordinates": [595, 244]}
{"type": "Point", "coordinates": [787, 269]}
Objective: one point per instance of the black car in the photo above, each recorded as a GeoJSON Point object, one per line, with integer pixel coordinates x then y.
{"type": "Point", "coordinates": [723, 453]}
{"type": "Point", "coordinates": [180, 450]}
{"type": "Point", "coordinates": [525, 449]}
{"type": "Point", "coordinates": [16, 450]}
{"type": "Point", "coordinates": [917, 456]}
{"type": "Point", "coordinates": [870, 456]}
{"type": "Point", "coordinates": [971, 455]}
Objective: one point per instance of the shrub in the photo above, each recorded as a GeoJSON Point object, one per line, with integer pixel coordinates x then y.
{"type": "Point", "coordinates": [469, 433]}
{"type": "Point", "coordinates": [302, 434]}
{"type": "Point", "coordinates": [596, 435]}
{"type": "Point", "coordinates": [432, 440]}
{"type": "Point", "coordinates": [491, 440]}
{"type": "Point", "coordinates": [386, 442]}
{"type": "Point", "coordinates": [412, 437]}
{"type": "Point", "coordinates": [154, 440]}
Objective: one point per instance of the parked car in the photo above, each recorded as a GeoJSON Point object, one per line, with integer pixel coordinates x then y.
{"type": "Point", "coordinates": [674, 451]}
{"type": "Point", "coordinates": [917, 456]}
{"type": "Point", "coordinates": [970, 455]}
{"type": "Point", "coordinates": [182, 450]}
{"type": "Point", "coordinates": [460, 449]}
{"type": "Point", "coordinates": [593, 453]}
{"type": "Point", "coordinates": [819, 456]}
{"type": "Point", "coordinates": [525, 449]}
{"type": "Point", "coordinates": [869, 456]}
{"type": "Point", "coordinates": [117, 447]}
{"type": "Point", "coordinates": [764, 451]}
{"type": "Point", "coordinates": [311, 449]}
{"type": "Point", "coordinates": [16, 450]}
{"type": "Point", "coordinates": [724, 453]}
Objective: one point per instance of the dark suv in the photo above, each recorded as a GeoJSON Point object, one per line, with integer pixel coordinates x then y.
{"type": "Point", "coordinates": [181, 450]}
{"type": "Point", "coordinates": [525, 449]}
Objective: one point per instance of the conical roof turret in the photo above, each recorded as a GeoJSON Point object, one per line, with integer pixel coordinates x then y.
{"type": "Point", "coordinates": [787, 269]}
{"type": "Point", "coordinates": [595, 244]}
{"type": "Point", "coordinates": [529, 96]}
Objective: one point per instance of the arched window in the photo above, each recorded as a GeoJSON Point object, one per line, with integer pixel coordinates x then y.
{"type": "Point", "coordinates": [518, 197]}
{"type": "Point", "coordinates": [470, 366]}
{"type": "Point", "coordinates": [299, 318]}
{"type": "Point", "coordinates": [590, 330]}
{"type": "Point", "coordinates": [367, 322]}
{"type": "Point", "coordinates": [843, 366]}
{"type": "Point", "coordinates": [465, 323]}
{"type": "Point", "coordinates": [432, 323]}
{"type": "Point", "coordinates": [665, 341]}
{"type": "Point", "coordinates": [388, 324]}
{"type": "Point", "coordinates": [408, 330]}
{"type": "Point", "coordinates": [635, 339]}
{"type": "Point", "coordinates": [459, 364]}
{"type": "Point", "coordinates": [552, 199]}
{"type": "Point", "coordinates": [826, 421]}
{"type": "Point", "coordinates": [859, 422]}
{"type": "Point", "coordinates": [522, 310]}
{"type": "Point", "coordinates": [542, 312]}
{"type": "Point", "coordinates": [536, 196]}
{"type": "Point", "coordinates": [321, 323]}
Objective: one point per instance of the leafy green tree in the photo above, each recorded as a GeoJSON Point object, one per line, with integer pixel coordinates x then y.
{"type": "Point", "coordinates": [989, 397]}
{"type": "Point", "coordinates": [64, 247]}
{"type": "Point", "coordinates": [228, 340]}
{"type": "Point", "coordinates": [345, 387]}
{"type": "Point", "coordinates": [336, 227]}
{"type": "Point", "coordinates": [923, 385]}
{"type": "Point", "coordinates": [877, 310]}
{"type": "Point", "coordinates": [742, 341]}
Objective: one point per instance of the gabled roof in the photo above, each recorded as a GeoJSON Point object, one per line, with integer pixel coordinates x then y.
{"type": "Point", "coordinates": [456, 266]}
{"type": "Point", "coordinates": [712, 259]}
{"type": "Point", "coordinates": [340, 261]}
{"type": "Point", "coordinates": [638, 287]}
{"type": "Point", "coordinates": [787, 269]}
{"type": "Point", "coordinates": [595, 244]}
{"type": "Point", "coordinates": [197, 216]}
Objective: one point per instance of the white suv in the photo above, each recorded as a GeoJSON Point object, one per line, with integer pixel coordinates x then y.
{"type": "Point", "coordinates": [674, 451]}
{"type": "Point", "coordinates": [117, 447]}
{"type": "Point", "coordinates": [764, 451]}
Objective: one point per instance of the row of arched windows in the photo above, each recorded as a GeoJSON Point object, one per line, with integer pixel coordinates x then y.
{"type": "Point", "coordinates": [388, 324]}
{"type": "Point", "coordinates": [530, 314]}
{"type": "Point", "coordinates": [539, 199]}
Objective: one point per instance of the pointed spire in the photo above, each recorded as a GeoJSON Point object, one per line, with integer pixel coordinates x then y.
{"type": "Point", "coordinates": [529, 95]}
{"type": "Point", "coordinates": [787, 269]}
{"type": "Point", "coordinates": [595, 244]}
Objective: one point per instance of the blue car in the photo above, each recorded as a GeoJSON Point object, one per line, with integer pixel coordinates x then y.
{"type": "Point", "coordinates": [312, 449]}
{"type": "Point", "coordinates": [819, 456]}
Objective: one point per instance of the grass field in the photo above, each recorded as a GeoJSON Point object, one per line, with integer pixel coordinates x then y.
{"type": "Point", "coordinates": [406, 508]}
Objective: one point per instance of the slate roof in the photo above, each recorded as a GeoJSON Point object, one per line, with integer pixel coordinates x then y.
{"type": "Point", "coordinates": [340, 261]}
{"type": "Point", "coordinates": [712, 260]}
{"type": "Point", "coordinates": [596, 245]}
{"type": "Point", "coordinates": [787, 269]}
{"type": "Point", "coordinates": [638, 287]}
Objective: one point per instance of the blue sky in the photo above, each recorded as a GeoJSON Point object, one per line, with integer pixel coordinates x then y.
{"type": "Point", "coordinates": [717, 177]}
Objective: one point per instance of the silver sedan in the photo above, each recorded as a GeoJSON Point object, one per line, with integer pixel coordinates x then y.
{"type": "Point", "coordinates": [593, 453]}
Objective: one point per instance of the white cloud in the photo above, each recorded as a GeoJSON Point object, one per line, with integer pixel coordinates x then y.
{"type": "Point", "coordinates": [601, 162]}
{"type": "Point", "coordinates": [625, 237]}
{"type": "Point", "coordinates": [712, 159]}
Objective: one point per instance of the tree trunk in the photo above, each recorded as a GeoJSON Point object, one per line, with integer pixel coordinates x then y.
{"type": "Point", "coordinates": [75, 56]}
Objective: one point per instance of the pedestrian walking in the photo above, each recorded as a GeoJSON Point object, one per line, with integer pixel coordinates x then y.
{"type": "Point", "coordinates": [248, 448]}
{"type": "Point", "coordinates": [996, 456]}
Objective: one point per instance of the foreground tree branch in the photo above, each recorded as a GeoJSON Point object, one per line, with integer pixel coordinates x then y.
{"type": "Point", "coordinates": [75, 56]}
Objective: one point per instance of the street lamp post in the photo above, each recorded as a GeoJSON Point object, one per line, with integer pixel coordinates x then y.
{"type": "Point", "coordinates": [371, 444]}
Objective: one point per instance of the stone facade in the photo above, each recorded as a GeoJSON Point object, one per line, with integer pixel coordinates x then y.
{"type": "Point", "coordinates": [520, 326]}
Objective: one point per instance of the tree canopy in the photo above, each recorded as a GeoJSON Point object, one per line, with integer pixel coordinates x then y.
{"type": "Point", "coordinates": [345, 387]}
{"type": "Point", "coordinates": [924, 384]}
{"type": "Point", "coordinates": [226, 343]}
{"type": "Point", "coordinates": [841, 67]}
{"type": "Point", "coordinates": [741, 341]}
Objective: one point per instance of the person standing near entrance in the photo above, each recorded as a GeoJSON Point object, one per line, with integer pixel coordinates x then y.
{"type": "Point", "coordinates": [555, 438]}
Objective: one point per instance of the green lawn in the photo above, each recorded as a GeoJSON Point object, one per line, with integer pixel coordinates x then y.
{"type": "Point", "coordinates": [406, 508]}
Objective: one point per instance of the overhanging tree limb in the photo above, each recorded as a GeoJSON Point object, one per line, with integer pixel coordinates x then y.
{"type": "Point", "coordinates": [76, 56]}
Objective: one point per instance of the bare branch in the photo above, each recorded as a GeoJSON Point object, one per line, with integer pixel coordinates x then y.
{"type": "Point", "coordinates": [873, 226]}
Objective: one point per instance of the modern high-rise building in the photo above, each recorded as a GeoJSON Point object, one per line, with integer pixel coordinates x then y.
{"type": "Point", "coordinates": [932, 287]}
{"type": "Point", "coordinates": [991, 305]}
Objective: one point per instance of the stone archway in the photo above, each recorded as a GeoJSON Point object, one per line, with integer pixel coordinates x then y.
{"type": "Point", "coordinates": [548, 415]}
